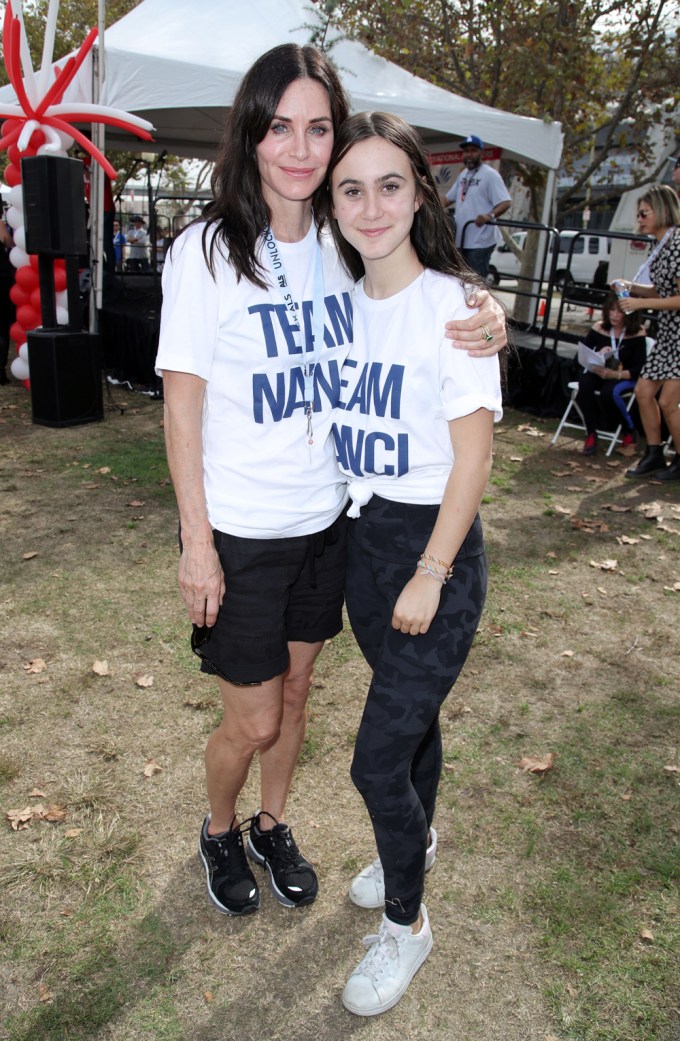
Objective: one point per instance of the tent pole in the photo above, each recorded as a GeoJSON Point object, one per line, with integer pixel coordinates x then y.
{"type": "Point", "coordinates": [97, 181]}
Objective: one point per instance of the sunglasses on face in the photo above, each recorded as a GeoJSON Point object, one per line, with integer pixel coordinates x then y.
{"type": "Point", "coordinates": [643, 213]}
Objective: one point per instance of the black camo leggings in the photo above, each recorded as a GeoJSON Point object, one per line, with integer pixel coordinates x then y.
{"type": "Point", "coordinates": [398, 753]}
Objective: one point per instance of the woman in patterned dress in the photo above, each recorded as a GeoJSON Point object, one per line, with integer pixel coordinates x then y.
{"type": "Point", "coordinates": [658, 214]}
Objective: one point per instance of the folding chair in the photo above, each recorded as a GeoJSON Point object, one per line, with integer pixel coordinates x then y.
{"type": "Point", "coordinates": [613, 437]}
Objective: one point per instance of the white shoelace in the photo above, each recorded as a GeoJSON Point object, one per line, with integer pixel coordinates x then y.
{"type": "Point", "coordinates": [382, 957]}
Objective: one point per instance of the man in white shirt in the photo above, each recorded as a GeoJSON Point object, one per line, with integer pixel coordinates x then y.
{"type": "Point", "coordinates": [480, 196]}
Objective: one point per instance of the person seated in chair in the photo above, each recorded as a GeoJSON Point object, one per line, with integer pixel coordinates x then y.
{"type": "Point", "coordinates": [621, 340]}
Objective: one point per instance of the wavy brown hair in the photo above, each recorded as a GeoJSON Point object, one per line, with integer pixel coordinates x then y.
{"type": "Point", "coordinates": [431, 232]}
{"type": "Point", "coordinates": [238, 213]}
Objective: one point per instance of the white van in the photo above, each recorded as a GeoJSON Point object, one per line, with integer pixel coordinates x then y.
{"type": "Point", "coordinates": [588, 251]}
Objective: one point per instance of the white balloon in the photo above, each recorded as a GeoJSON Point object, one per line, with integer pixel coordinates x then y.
{"type": "Point", "coordinates": [15, 217]}
{"type": "Point", "coordinates": [15, 197]}
{"type": "Point", "coordinates": [62, 299]}
{"type": "Point", "coordinates": [62, 316]}
{"type": "Point", "coordinates": [19, 235]}
{"type": "Point", "coordinates": [23, 352]}
{"type": "Point", "coordinates": [50, 149]}
{"type": "Point", "coordinates": [19, 369]}
{"type": "Point", "coordinates": [18, 257]}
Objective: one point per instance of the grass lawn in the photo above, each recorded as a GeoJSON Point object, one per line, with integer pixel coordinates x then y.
{"type": "Point", "coordinates": [554, 898]}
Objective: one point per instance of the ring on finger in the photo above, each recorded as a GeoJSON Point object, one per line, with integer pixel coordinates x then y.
{"type": "Point", "coordinates": [486, 334]}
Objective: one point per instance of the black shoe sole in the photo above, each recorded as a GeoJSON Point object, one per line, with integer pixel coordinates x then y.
{"type": "Point", "coordinates": [257, 858]}
{"type": "Point", "coordinates": [647, 473]}
{"type": "Point", "coordinates": [222, 908]}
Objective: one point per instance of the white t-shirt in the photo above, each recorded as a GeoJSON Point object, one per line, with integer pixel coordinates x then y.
{"type": "Point", "coordinates": [477, 191]}
{"type": "Point", "coordinates": [401, 386]}
{"type": "Point", "coordinates": [262, 478]}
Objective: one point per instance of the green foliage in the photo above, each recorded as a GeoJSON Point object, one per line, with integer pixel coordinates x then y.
{"type": "Point", "coordinates": [595, 67]}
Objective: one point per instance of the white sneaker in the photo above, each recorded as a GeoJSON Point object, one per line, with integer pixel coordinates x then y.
{"type": "Point", "coordinates": [381, 979]}
{"type": "Point", "coordinates": [368, 888]}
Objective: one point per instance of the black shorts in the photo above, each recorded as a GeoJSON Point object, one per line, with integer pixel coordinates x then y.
{"type": "Point", "coordinates": [277, 591]}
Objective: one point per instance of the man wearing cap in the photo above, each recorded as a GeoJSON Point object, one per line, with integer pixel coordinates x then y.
{"type": "Point", "coordinates": [480, 196]}
{"type": "Point", "coordinates": [138, 240]}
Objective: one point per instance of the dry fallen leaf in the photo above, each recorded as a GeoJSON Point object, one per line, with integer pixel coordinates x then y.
{"type": "Point", "coordinates": [672, 769]}
{"type": "Point", "coordinates": [101, 668]}
{"type": "Point", "coordinates": [562, 509]}
{"type": "Point", "coordinates": [66, 912]}
{"type": "Point", "coordinates": [30, 555]}
{"type": "Point", "coordinates": [55, 813]}
{"type": "Point", "coordinates": [136, 502]}
{"type": "Point", "coordinates": [567, 654]}
{"type": "Point", "coordinates": [646, 935]}
{"type": "Point", "coordinates": [144, 681]}
{"type": "Point", "coordinates": [36, 794]}
{"type": "Point", "coordinates": [526, 428]}
{"type": "Point", "coordinates": [35, 665]}
{"type": "Point", "coordinates": [73, 833]}
{"type": "Point", "coordinates": [44, 993]}
{"type": "Point", "coordinates": [626, 540]}
{"type": "Point", "coordinates": [152, 768]}
{"type": "Point", "coordinates": [615, 508]}
{"type": "Point", "coordinates": [104, 470]}
{"type": "Point", "coordinates": [516, 459]}
{"type": "Point", "coordinates": [605, 565]}
{"type": "Point", "coordinates": [534, 764]}
{"type": "Point", "coordinates": [208, 995]}
{"type": "Point", "coordinates": [20, 819]}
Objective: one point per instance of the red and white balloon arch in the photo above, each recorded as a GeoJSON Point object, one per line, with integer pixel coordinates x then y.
{"type": "Point", "coordinates": [41, 124]}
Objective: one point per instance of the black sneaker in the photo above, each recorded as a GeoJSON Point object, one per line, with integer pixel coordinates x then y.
{"type": "Point", "coordinates": [292, 879]}
{"type": "Point", "coordinates": [231, 884]}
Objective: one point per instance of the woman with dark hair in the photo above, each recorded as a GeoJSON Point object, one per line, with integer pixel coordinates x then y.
{"type": "Point", "coordinates": [256, 323]}
{"type": "Point", "coordinates": [621, 341]}
{"type": "Point", "coordinates": [656, 287]}
{"type": "Point", "coordinates": [413, 435]}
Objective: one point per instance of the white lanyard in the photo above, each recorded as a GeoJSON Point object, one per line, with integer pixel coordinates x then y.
{"type": "Point", "coordinates": [616, 344]}
{"type": "Point", "coordinates": [280, 279]}
{"type": "Point", "coordinates": [644, 273]}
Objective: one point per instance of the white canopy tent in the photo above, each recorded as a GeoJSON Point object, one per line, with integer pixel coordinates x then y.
{"type": "Point", "coordinates": [178, 64]}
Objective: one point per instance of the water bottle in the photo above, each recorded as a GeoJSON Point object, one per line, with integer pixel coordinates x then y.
{"type": "Point", "coordinates": [620, 289]}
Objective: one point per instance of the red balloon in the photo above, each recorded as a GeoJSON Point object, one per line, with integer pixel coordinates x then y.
{"type": "Point", "coordinates": [28, 317]}
{"type": "Point", "coordinates": [37, 139]}
{"type": "Point", "coordinates": [9, 125]}
{"type": "Point", "coordinates": [17, 333]}
{"type": "Point", "coordinates": [59, 280]}
{"type": "Point", "coordinates": [33, 260]}
{"type": "Point", "coordinates": [19, 296]}
{"type": "Point", "coordinates": [59, 262]}
{"type": "Point", "coordinates": [35, 299]}
{"type": "Point", "coordinates": [13, 154]}
{"type": "Point", "coordinates": [27, 277]}
{"type": "Point", "coordinates": [12, 175]}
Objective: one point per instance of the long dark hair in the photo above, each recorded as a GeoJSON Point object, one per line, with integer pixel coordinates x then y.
{"type": "Point", "coordinates": [238, 212]}
{"type": "Point", "coordinates": [432, 235]}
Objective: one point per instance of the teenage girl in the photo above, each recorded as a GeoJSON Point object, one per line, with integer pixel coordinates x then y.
{"type": "Point", "coordinates": [413, 435]}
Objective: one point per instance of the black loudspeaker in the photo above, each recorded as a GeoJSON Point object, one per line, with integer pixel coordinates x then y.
{"type": "Point", "coordinates": [66, 379]}
{"type": "Point", "coordinates": [54, 205]}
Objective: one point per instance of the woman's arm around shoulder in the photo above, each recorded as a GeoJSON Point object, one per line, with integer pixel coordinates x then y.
{"type": "Point", "coordinates": [469, 334]}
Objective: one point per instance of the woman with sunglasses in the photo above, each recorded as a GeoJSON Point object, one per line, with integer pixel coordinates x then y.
{"type": "Point", "coordinates": [256, 323]}
{"type": "Point", "coordinates": [656, 287]}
